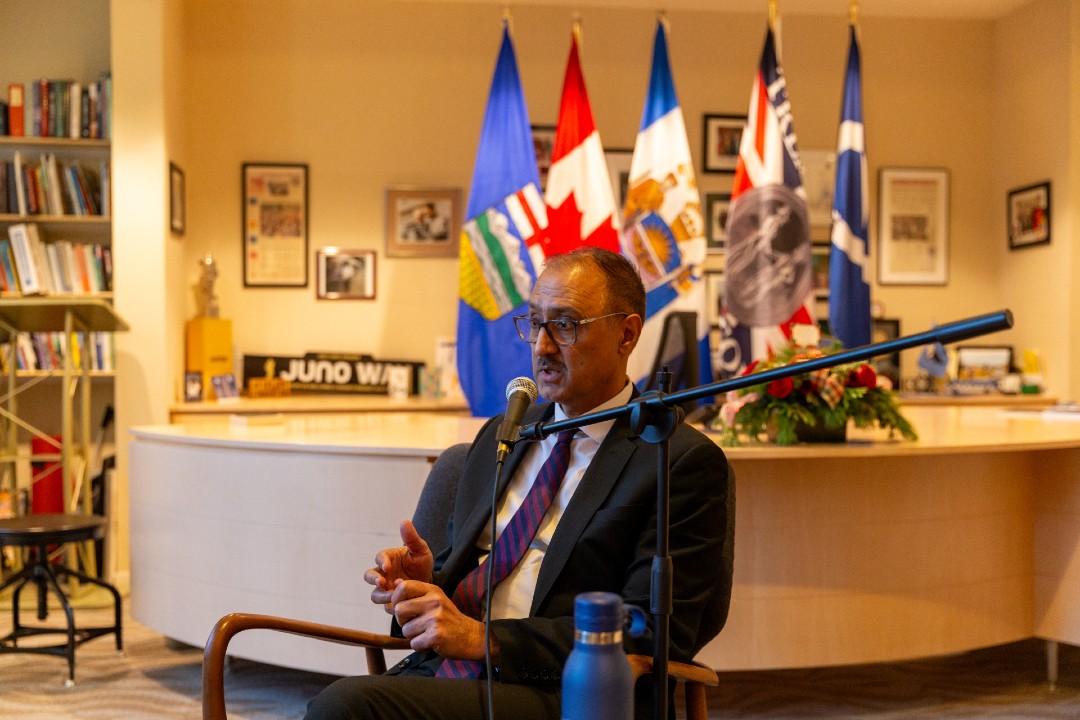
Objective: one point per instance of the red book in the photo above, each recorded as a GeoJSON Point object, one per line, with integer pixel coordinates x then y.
{"type": "Point", "coordinates": [16, 111]}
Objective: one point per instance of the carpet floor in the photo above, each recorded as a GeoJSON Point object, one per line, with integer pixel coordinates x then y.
{"type": "Point", "coordinates": [157, 679]}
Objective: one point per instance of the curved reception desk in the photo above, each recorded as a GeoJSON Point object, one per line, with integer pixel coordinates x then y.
{"type": "Point", "coordinates": [867, 551]}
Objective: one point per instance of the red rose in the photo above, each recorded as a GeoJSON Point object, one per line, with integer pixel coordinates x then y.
{"type": "Point", "coordinates": [780, 388]}
{"type": "Point", "coordinates": [863, 376]}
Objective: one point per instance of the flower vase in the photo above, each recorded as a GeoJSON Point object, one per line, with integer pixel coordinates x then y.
{"type": "Point", "coordinates": [820, 434]}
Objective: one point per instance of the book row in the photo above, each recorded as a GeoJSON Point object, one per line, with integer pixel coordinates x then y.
{"type": "Point", "coordinates": [46, 351]}
{"type": "Point", "coordinates": [58, 108]}
{"type": "Point", "coordinates": [32, 267]}
{"type": "Point", "coordinates": [50, 187]}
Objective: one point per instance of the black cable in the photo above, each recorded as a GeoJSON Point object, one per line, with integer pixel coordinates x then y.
{"type": "Point", "coordinates": [489, 575]}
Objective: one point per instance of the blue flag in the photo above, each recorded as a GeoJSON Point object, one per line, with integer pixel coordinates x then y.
{"type": "Point", "coordinates": [505, 215]}
{"type": "Point", "coordinates": [663, 229]}
{"type": "Point", "coordinates": [849, 262]}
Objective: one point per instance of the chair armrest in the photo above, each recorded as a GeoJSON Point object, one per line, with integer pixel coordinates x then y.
{"type": "Point", "coordinates": [217, 645]}
{"type": "Point", "coordinates": [685, 672]}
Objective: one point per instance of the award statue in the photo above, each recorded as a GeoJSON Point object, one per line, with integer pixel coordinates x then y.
{"type": "Point", "coordinates": [209, 337]}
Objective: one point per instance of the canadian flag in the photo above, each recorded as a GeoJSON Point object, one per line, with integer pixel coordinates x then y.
{"type": "Point", "coordinates": [581, 207]}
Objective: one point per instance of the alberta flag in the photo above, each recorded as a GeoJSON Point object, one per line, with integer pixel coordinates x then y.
{"type": "Point", "coordinates": [768, 287]}
{"type": "Point", "coordinates": [849, 263]}
{"type": "Point", "coordinates": [581, 207]}
{"type": "Point", "coordinates": [504, 213]}
{"type": "Point", "coordinates": [663, 231]}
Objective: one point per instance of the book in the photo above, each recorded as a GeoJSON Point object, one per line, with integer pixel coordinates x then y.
{"type": "Point", "coordinates": [20, 183]}
{"type": "Point", "coordinates": [7, 267]}
{"type": "Point", "coordinates": [16, 110]}
{"type": "Point", "coordinates": [25, 266]}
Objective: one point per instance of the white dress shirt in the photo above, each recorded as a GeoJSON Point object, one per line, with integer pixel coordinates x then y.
{"type": "Point", "coordinates": [513, 596]}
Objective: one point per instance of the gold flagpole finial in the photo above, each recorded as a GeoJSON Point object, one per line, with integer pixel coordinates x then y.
{"type": "Point", "coordinates": [577, 28]}
{"type": "Point", "coordinates": [772, 14]}
{"type": "Point", "coordinates": [508, 19]}
{"type": "Point", "coordinates": [853, 12]}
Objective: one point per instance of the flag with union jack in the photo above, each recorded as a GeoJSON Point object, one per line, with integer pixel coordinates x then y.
{"type": "Point", "coordinates": [768, 287]}
{"type": "Point", "coordinates": [849, 261]}
{"type": "Point", "coordinates": [663, 230]}
{"type": "Point", "coordinates": [505, 213]}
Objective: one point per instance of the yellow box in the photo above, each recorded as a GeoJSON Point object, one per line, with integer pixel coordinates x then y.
{"type": "Point", "coordinates": [209, 350]}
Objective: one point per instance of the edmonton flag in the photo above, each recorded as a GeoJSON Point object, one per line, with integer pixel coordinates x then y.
{"type": "Point", "coordinates": [663, 228]}
{"type": "Point", "coordinates": [768, 286]}
{"type": "Point", "coordinates": [504, 213]}
{"type": "Point", "coordinates": [849, 265]}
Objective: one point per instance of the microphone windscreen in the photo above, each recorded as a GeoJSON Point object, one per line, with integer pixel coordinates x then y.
{"type": "Point", "coordinates": [523, 384]}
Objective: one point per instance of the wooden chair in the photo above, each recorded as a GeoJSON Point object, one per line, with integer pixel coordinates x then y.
{"type": "Point", "coordinates": [437, 493]}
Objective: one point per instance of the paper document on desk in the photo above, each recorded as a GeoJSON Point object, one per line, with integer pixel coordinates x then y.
{"type": "Point", "coordinates": [1062, 411]}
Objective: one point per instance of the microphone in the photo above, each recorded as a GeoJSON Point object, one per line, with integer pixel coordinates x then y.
{"type": "Point", "coordinates": [520, 394]}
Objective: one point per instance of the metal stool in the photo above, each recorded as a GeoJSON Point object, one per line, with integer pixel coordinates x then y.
{"type": "Point", "coordinates": [39, 532]}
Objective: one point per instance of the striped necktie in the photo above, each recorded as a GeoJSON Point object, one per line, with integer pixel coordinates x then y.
{"type": "Point", "coordinates": [509, 548]}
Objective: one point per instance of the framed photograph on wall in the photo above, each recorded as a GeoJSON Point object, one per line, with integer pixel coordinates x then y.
{"type": "Point", "coordinates": [716, 215]}
{"type": "Point", "coordinates": [819, 265]}
{"type": "Point", "coordinates": [1029, 216]}
{"type": "Point", "coordinates": [345, 274]}
{"type": "Point", "coordinates": [714, 295]}
{"type": "Point", "coordinates": [721, 136]}
{"type": "Point", "coordinates": [423, 222]}
{"type": "Point", "coordinates": [176, 199]}
{"type": "Point", "coordinates": [618, 166]}
{"type": "Point", "coordinates": [275, 217]}
{"type": "Point", "coordinates": [819, 177]}
{"type": "Point", "coordinates": [913, 226]}
{"type": "Point", "coordinates": [544, 144]}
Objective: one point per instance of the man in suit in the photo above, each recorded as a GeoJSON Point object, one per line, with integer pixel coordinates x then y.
{"type": "Point", "coordinates": [598, 534]}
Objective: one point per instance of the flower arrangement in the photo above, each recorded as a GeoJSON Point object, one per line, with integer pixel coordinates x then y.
{"type": "Point", "coordinates": [825, 398]}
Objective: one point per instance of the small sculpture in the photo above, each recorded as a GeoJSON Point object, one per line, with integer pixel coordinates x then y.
{"type": "Point", "coordinates": [208, 302]}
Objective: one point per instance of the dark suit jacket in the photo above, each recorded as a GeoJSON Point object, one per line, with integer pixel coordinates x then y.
{"type": "Point", "coordinates": [605, 541]}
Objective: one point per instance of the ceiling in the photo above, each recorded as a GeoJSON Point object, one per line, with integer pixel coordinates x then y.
{"type": "Point", "coordinates": [980, 9]}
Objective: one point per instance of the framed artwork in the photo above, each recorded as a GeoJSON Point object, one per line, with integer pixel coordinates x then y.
{"type": "Point", "coordinates": [618, 166]}
{"type": "Point", "coordinates": [819, 266]}
{"type": "Point", "coordinates": [1029, 216]}
{"type": "Point", "coordinates": [544, 144]}
{"type": "Point", "coordinates": [721, 137]}
{"type": "Point", "coordinates": [913, 226]}
{"type": "Point", "coordinates": [714, 295]}
{"type": "Point", "coordinates": [176, 199]}
{"type": "Point", "coordinates": [275, 232]}
{"type": "Point", "coordinates": [344, 274]}
{"type": "Point", "coordinates": [423, 222]}
{"type": "Point", "coordinates": [193, 390]}
{"type": "Point", "coordinates": [819, 177]}
{"type": "Point", "coordinates": [716, 215]}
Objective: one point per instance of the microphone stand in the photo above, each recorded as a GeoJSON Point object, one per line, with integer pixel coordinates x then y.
{"type": "Point", "coordinates": [655, 415]}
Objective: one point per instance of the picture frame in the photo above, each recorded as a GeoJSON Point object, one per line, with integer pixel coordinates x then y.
{"type": "Point", "coordinates": [819, 179]}
{"type": "Point", "coordinates": [913, 226]}
{"type": "Point", "coordinates": [423, 222]}
{"type": "Point", "coordinates": [819, 268]}
{"type": "Point", "coordinates": [177, 210]}
{"type": "Point", "coordinates": [618, 165]}
{"type": "Point", "coordinates": [343, 274]}
{"type": "Point", "coordinates": [275, 224]}
{"type": "Point", "coordinates": [721, 136]}
{"type": "Point", "coordinates": [193, 386]}
{"type": "Point", "coordinates": [717, 206]}
{"type": "Point", "coordinates": [714, 295]}
{"type": "Point", "coordinates": [544, 145]}
{"type": "Point", "coordinates": [1028, 211]}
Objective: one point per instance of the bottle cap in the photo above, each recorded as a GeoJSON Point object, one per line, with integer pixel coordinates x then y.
{"type": "Point", "coordinates": [598, 612]}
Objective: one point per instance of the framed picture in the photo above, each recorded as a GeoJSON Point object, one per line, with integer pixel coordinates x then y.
{"type": "Point", "coordinates": [1029, 216]}
{"type": "Point", "coordinates": [544, 144]}
{"type": "Point", "coordinates": [714, 295]}
{"type": "Point", "coordinates": [423, 222]}
{"type": "Point", "coordinates": [176, 199]}
{"type": "Point", "coordinates": [344, 274]}
{"type": "Point", "coordinates": [819, 266]}
{"type": "Point", "coordinates": [618, 166]}
{"type": "Point", "coordinates": [716, 214]}
{"type": "Point", "coordinates": [913, 226]}
{"type": "Point", "coordinates": [819, 177]}
{"type": "Point", "coordinates": [275, 231]}
{"type": "Point", "coordinates": [883, 330]}
{"type": "Point", "coordinates": [721, 136]}
{"type": "Point", "coordinates": [193, 391]}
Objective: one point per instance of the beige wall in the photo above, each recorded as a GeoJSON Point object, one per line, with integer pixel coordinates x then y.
{"type": "Point", "coordinates": [385, 93]}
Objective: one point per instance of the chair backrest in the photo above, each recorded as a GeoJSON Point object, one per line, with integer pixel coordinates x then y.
{"type": "Point", "coordinates": [679, 351]}
{"type": "Point", "coordinates": [437, 497]}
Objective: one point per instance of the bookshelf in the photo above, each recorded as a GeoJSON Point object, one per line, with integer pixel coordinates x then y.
{"type": "Point", "coordinates": [66, 309]}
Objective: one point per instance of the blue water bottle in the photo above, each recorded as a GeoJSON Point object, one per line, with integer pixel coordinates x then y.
{"type": "Point", "coordinates": [597, 682]}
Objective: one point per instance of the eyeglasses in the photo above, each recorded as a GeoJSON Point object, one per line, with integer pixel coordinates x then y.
{"type": "Point", "coordinates": [563, 331]}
